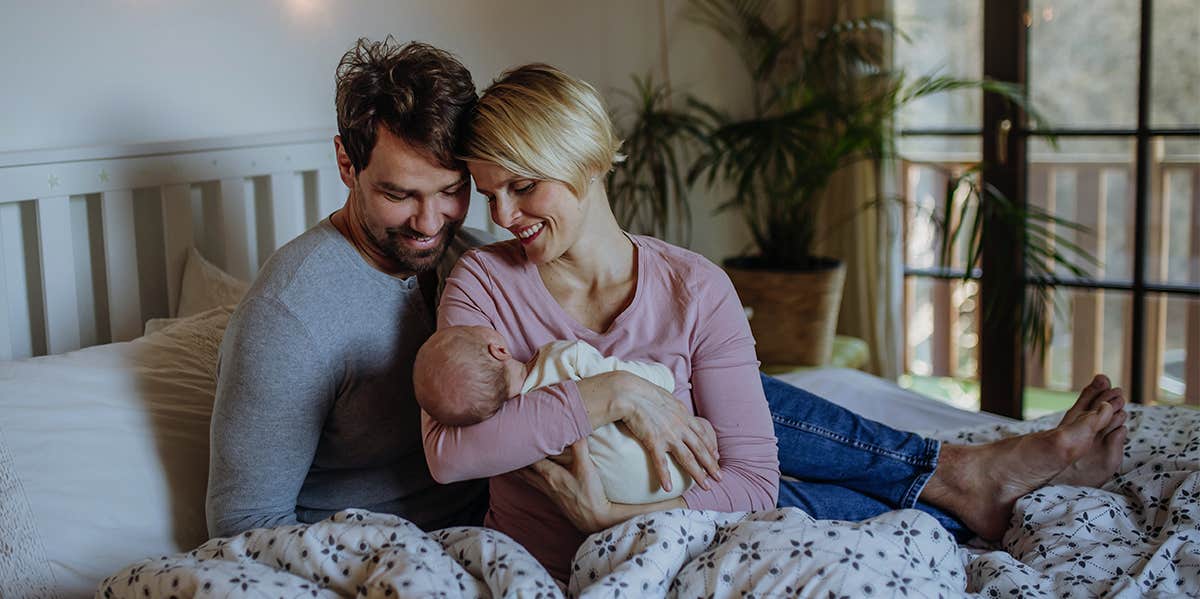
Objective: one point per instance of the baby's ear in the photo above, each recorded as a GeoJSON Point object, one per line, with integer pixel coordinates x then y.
{"type": "Point", "coordinates": [499, 351]}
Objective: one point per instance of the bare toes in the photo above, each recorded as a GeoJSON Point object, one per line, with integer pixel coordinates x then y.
{"type": "Point", "coordinates": [1114, 450]}
{"type": "Point", "coordinates": [1104, 414]}
{"type": "Point", "coordinates": [1077, 437]}
{"type": "Point", "coordinates": [1117, 436]}
{"type": "Point", "coordinates": [1116, 397]}
{"type": "Point", "coordinates": [1118, 420]}
{"type": "Point", "coordinates": [1101, 460]}
{"type": "Point", "coordinates": [1087, 398]}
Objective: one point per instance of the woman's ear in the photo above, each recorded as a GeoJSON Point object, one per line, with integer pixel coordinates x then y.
{"type": "Point", "coordinates": [499, 351]}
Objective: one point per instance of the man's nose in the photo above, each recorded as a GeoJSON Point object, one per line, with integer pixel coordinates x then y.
{"type": "Point", "coordinates": [428, 220]}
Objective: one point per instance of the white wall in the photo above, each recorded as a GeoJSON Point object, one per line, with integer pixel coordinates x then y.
{"type": "Point", "coordinates": [125, 71]}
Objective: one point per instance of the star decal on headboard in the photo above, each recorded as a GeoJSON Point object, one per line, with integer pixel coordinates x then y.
{"type": "Point", "coordinates": [52, 181]}
{"type": "Point", "coordinates": [104, 175]}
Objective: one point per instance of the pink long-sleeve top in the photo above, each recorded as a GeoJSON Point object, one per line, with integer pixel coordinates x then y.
{"type": "Point", "coordinates": [684, 314]}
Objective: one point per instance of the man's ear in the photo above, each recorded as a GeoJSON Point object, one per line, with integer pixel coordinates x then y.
{"type": "Point", "coordinates": [345, 167]}
{"type": "Point", "coordinates": [499, 351]}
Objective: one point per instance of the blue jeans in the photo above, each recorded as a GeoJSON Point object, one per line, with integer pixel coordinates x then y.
{"type": "Point", "coordinates": [848, 467]}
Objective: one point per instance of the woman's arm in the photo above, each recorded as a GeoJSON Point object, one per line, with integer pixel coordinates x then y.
{"type": "Point", "coordinates": [545, 421]}
{"type": "Point", "coordinates": [727, 391]}
{"type": "Point", "coordinates": [574, 485]}
{"type": "Point", "coordinates": [526, 429]}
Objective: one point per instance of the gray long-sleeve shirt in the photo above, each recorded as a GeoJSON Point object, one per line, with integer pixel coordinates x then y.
{"type": "Point", "coordinates": [314, 409]}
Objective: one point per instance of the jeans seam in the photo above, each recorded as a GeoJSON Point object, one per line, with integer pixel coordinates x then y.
{"type": "Point", "coordinates": [932, 450]}
{"type": "Point", "coordinates": [903, 457]}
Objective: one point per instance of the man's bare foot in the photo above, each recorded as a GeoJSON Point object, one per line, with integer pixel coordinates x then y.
{"type": "Point", "coordinates": [980, 483]}
{"type": "Point", "coordinates": [1095, 468]}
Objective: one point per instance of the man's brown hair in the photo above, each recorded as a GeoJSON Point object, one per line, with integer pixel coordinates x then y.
{"type": "Point", "coordinates": [419, 93]}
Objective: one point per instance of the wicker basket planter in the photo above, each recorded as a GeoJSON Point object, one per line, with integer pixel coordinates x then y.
{"type": "Point", "coordinates": [793, 314]}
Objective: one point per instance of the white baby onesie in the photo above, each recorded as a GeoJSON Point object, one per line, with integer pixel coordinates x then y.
{"type": "Point", "coordinates": [625, 467]}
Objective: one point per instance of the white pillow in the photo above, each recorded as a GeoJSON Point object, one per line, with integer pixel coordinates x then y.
{"type": "Point", "coordinates": [104, 456]}
{"type": "Point", "coordinates": [205, 286]}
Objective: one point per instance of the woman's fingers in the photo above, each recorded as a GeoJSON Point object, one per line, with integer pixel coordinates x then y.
{"type": "Point", "coordinates": [707, 461]}
{"type": "Point", "coordinates": [706, 431]}
{"type": "Point", "coordinates": [710, 458]}
{"type": "Point", "coordinates": [530, 476]}
{"type": "Point", "coordinates": [685, 456]}
{"type": "Point", "coordinates": [563, 459]}
{"type": "Point", "coordinates": [541, 474]}
{"type": "Point", "coordinates": [664, 425]}
{"type": "Point", "coordinates": [661, 469]}
{"type": "Point", "coordinates": [576, 490]}
{"type": "Point", "coordinates": [581, 458]}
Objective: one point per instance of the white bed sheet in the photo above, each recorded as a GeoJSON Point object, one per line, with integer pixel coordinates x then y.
{"type": "Point", "coordinates": [886, 402]}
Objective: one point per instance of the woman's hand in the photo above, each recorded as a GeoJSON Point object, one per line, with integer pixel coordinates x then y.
{"type": "Point", "coordinates": [575, 487]}
{"type": "Point", "coordinates": [660, 422]}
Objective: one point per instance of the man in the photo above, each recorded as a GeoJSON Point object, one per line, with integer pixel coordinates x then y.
{"type": "Point", "coordinates": [314, 409]}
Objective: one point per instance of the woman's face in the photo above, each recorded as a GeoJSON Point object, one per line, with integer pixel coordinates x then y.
{"type": "Point", "coordinates": [544, 215]}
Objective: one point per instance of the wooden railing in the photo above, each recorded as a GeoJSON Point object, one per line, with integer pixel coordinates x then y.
{"type": "Point", "coordinates": [1099, 196]}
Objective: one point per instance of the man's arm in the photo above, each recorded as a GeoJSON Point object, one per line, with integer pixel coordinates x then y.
{"type": "Point", "coordinates": [273, 393]}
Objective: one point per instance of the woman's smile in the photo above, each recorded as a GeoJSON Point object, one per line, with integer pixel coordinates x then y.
{"type": "Point", "coordinates": [528, 234]}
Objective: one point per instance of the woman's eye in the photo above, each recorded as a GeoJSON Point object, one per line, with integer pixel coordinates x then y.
{"type": "Point", "coordinates": [524, 187]}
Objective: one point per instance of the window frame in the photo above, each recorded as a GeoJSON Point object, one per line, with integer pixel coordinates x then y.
{"type": "Point", "coordinates": [1001, 353]}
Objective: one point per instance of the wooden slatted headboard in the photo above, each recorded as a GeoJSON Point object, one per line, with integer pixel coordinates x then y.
{"type": "Point", "coordinates": [93, 240]}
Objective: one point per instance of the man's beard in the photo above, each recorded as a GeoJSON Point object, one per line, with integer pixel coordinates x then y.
{"type": "Point", "coordinates": [392, 245]}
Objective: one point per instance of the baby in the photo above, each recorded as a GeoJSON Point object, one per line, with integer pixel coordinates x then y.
{"type": "Point", "coordinates": [463, 375]}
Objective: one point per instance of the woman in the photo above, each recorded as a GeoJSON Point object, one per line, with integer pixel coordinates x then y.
{"type": "Point", "coordinates": [538, 146]}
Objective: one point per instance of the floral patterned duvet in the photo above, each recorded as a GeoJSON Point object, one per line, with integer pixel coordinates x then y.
{"type": "Point", "coordinates": [1137, 537]}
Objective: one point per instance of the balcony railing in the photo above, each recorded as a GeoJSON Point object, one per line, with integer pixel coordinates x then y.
{"type": "Point", "coordinates": [1091, 328]}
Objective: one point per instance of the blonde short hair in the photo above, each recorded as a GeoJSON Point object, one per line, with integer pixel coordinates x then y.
{"type": "Point", "coordinates": [539, 122]}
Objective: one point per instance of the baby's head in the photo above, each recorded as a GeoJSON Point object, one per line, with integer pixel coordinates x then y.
{"type": "Point", "coordinates": [463, 375]}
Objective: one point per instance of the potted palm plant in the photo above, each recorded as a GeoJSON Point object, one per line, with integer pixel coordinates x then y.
{"type": "Point", "coordinates": [822, 100]}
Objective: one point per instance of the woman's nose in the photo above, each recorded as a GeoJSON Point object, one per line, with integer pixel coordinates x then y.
{"type": "Point", "coordinates": [504, 211]}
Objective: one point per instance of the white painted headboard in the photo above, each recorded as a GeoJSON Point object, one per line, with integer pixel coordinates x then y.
{"type": "Point", "coordinates": [93, 240]}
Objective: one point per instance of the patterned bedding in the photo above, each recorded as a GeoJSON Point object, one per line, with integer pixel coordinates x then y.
{"type": "Point", "coordinates": [1136, 537]}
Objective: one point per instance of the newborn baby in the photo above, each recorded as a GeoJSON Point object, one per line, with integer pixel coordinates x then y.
{"type": "Point", "coordinates": [463, 375]}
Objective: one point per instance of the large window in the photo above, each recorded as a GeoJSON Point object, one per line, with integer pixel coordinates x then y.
{"type": "Point", "coordinates": [1119, 84]}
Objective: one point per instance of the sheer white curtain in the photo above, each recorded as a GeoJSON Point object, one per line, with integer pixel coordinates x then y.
{"type": "Point", "coordinates": [860, 224]}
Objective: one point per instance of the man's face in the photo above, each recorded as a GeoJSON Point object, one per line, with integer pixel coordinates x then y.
{"type": "Point", "coordinates": [411, 206]}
